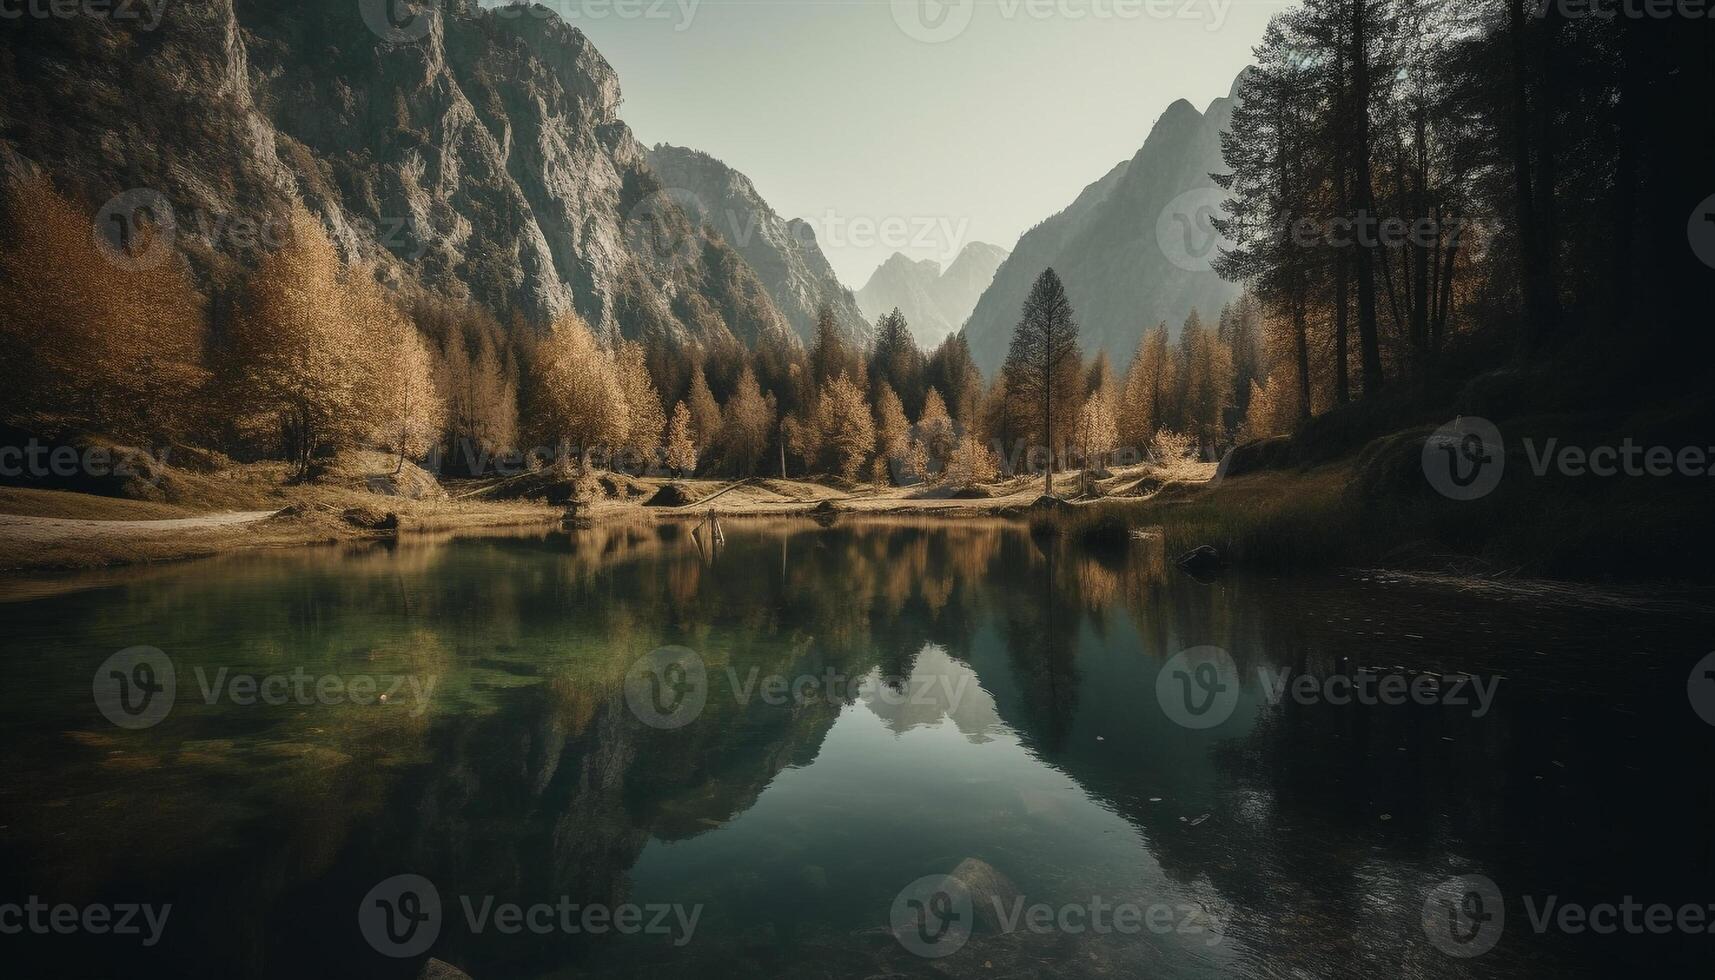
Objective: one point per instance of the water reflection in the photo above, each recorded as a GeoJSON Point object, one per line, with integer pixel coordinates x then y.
{"type": "Point", "coordinates": [996, 702]}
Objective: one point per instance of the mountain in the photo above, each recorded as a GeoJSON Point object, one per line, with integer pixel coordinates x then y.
{"type": "Point", "coordinates": [1133, 248]}
{"type": "Point", "coordinates": [782, 253]}
{"type": "Point", "coordinates": [466, 151]}
{"type": "Point", "coordinates": [934, 302]}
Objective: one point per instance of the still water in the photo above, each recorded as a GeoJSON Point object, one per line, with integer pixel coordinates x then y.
{"type": "Point", "coordinates": [879, 703]}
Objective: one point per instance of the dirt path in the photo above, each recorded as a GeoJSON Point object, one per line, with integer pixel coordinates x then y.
{"type": "Point", "coordinates": [51, 529]}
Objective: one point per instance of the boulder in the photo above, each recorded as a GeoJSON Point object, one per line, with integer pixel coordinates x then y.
{"type": "Point", "coordinates": [1201, 561]}
{"type": "Point", "coordinates": [441, 970]}
{"type": "Point", "coordinates": [371, 519]}
{"type": "Point", "coordinates": [671, 495]}
{"type": "Point", "coordinates": [992, 893]}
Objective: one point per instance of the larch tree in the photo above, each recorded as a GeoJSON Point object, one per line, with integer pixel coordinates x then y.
{"type": "Point", "coordinates": [747, 423]}
{"type": "Point", "coordinates": [935, 433]}
{"type": "Point", "coordinates": [575, 398]}
{"type": "Point", "coordinates": [644, 417]}
{"type": "Point", "coordinates": [848, 431]}
{"type": "Point", "coordinates": [1044, 364]}
{"type": "Point", "coordinates": [681, 445]}
{"type": "Point", "coordinates": [404, 407]}
{"type": "Point", "coordinates": [705, 411]}
{"type": "Point", "coordinates": [95, 345]}
{"type": "Point", "coordinates": [299, 356]}
{"type": "Point", "coordinates": [892, 430]}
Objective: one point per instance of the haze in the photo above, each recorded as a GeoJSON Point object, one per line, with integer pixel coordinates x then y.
{"type": "Point", "coordinates": [886, 142]}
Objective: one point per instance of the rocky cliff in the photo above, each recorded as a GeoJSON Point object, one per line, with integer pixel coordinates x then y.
{"type": "Point", "coordinates": [783, 253]}
{"type": "Point", "coordinates": [472, 152]}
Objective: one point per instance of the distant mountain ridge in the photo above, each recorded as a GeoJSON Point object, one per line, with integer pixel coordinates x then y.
{"type": "Point", "coordinates": [783, 253]}
{"type": "Point", "coordinates": [933, 301]}
{"type": "Point", "coordinates": [1132, 248]}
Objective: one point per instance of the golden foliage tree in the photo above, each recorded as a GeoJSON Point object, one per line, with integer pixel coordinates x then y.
{"type": "Point", "coordinates": [576, 401]}
{"type": "Point", "coordinates": [643, 415]}
{"type": "Point", "coordinates": [681, 445]}
{"type": "Point", "coordinates": [298, 348]}
{"type": "Point", "coordinates": [746, 424]}
{"type": "Point", "coordinates": [93, 345]}
{"type": "Point", "coordinates": [847, 429]}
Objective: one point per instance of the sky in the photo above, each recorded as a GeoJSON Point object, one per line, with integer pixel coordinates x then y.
{"type": "Point", "coordinates": [915, 125]}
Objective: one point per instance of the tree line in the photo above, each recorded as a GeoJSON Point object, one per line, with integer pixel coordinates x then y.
{"type": "Point", "coordinates": [312, 355]}
{"type": "Point", "coordinates": [1416, 188]}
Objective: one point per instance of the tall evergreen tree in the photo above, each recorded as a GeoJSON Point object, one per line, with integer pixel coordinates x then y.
{"type": "Point", "coordinates": [1044, 365]}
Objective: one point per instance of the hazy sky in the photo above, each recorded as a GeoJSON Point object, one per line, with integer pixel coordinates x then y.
{"type": "Point", "coordinates": [851, 115]}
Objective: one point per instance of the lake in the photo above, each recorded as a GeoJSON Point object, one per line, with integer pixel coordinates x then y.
{"type": "Point", "coordinates": [620, 752]}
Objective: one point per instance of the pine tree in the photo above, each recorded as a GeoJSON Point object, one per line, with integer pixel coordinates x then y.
{"type": "Point", "coordinates": [1044, 365]}
{"type": "Point", "coordinates": [747, 423]}
{"type": "Point", "coordinates": [705, 412]}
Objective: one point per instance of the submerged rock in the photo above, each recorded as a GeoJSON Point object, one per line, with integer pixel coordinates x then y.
{"type": "Point", "coordinates": [1202, 560]}
{"type": "Point", "coordinates": [441, 970]}
{"type": "Point", "coordinates": [371, 519]}
{"type": "Point", "coordinates": [992, 893]}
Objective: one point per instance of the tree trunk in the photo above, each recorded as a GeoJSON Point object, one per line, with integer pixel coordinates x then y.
{"type": "Point", "coordinates": [1369, 345]}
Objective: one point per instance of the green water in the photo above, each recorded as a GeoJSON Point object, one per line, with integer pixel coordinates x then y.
{"type": "Point", "coordinates": [974, 693]}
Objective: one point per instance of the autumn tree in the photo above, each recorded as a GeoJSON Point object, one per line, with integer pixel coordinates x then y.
{"type": "Point", "coordinates": [576, 401]}
{"type": "Point", "coordinates": [94, 344]}
{"type": "Point", "coordinates": [298, 352]}
{"type": "Point", "coordinates": [1147, 394]}
{"type": "Point", "coordinates": [747, 424]}
{"type": "Point", "coordinates": [644, 418]}
{"type": "Point", "coordinates": [681, 446]}
{"type": "Point", "coordinates": [1044, 365]}
{"type": "Point", "coordinates": [892, 430]}
{"type": "Point", "coordinates": [705, 411]}
{"type": "Point", "coordinates": [399, 399]}
{"type": "Point", "coordinates": [935, 434]}
{"type": "Point", "coordinates": [847, 429]}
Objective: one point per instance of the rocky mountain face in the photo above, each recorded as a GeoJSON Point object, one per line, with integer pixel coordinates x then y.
{"type": "Point", "coordinates": [783, 253]}
{"type": "Point", "coordinates": [1133, 249]}
{"type": "Point", "coordinates": [471, 152]}
{"type": "Point", "coordinates": [934, 302]}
